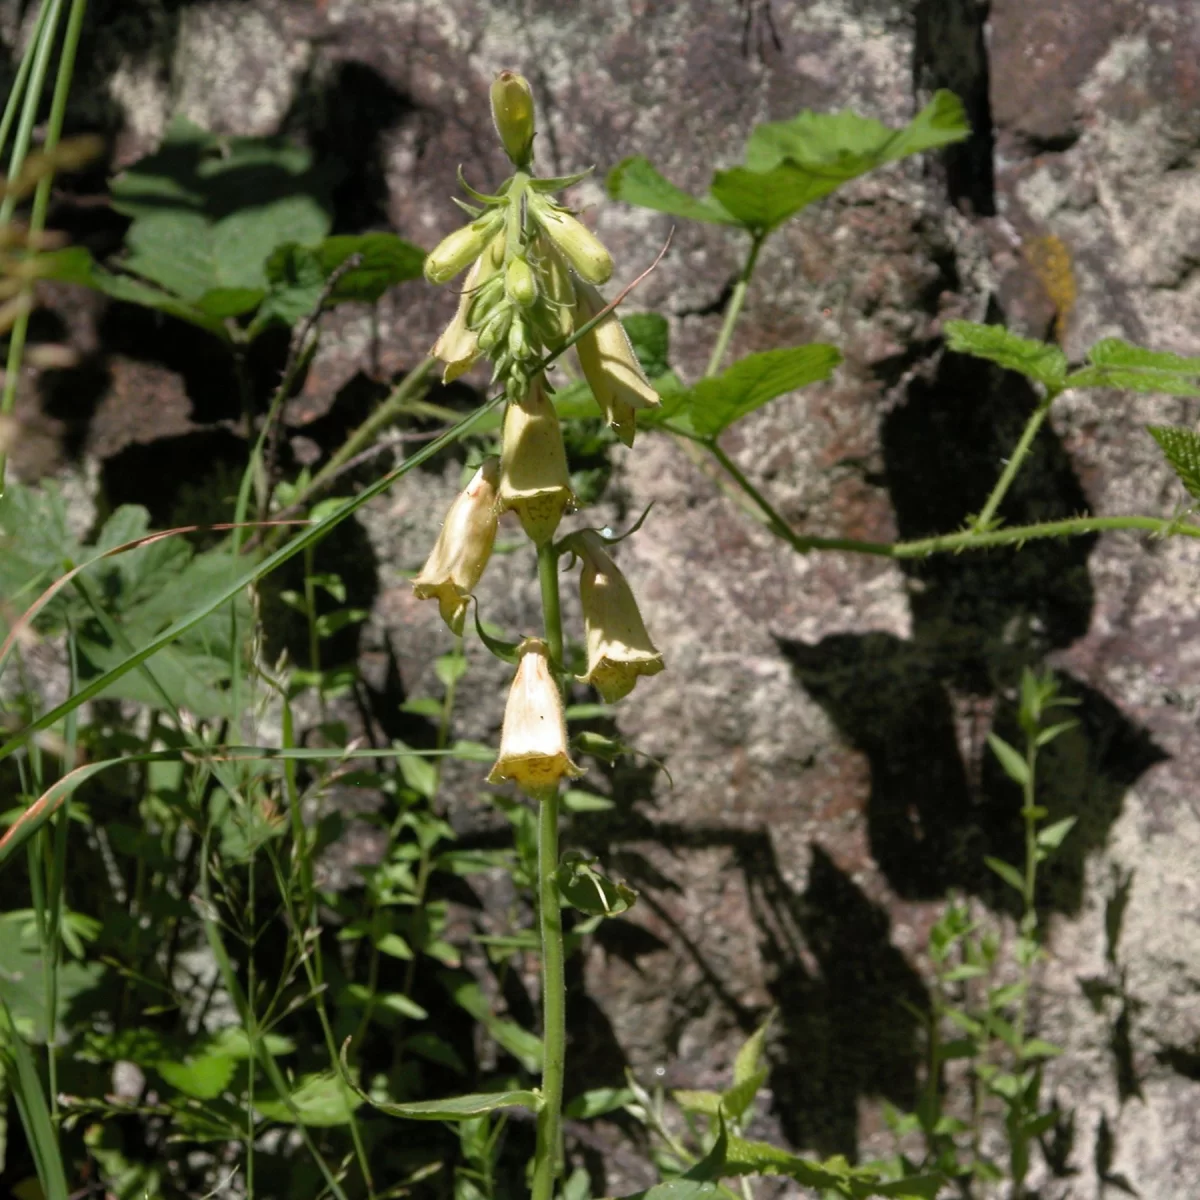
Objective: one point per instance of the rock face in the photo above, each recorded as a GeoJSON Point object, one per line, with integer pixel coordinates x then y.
{"type": "Point", "coordinates": [823, 717]}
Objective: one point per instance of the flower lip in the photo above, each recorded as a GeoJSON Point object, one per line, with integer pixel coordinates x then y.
{"type": "Point", "coordinates": [533, 743]}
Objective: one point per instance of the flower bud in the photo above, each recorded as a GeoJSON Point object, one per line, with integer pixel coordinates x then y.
{"type": "Point", "coordinates": [519, 283]}
{"type": "Point", "coordinates": [533, 743]}
{"type": "Point", "coordinates": [461, 248]}
{"type": "Point", "coordinates": [610, 365]}
{"type": "Point", "coordinates": [555, 309]}
{"type": "Point", "coordinates": [619, 648]}
{"type": "Point", "coordinates": [512, 111]}
{"type": "Point", "coordinates": [458, 345]}
{"type": "Point", "coordinates": [463, 547]}
{"type": "Point", "coordinates": [584, 250]}
{"type": "Point", "coordinates": [534, 480]}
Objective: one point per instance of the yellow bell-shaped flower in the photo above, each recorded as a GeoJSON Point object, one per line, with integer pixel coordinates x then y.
{"type": "Point", "coordinates": [534, 480]}
{"type": "Point", "coordinates": [619, 648]}
{"type": "Point", "coordinates": [610, 365]}
{"type": "Point", "coordinates": [463, 547]}
{"type": "Point", "coordinates": [533, 743]}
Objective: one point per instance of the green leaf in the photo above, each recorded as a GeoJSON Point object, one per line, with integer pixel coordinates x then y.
{"type": "Point", "coordinates": [435, 1050]}
{"type": "Point", "coordinates": [1037, 1048]}
{"type": "Point", "coordinates": [597, 1102]}
{"type": "Point", "coordinates": [844, 141]}
{"type": "Point", "coordinates": [737, 1099]}
{"type": "Point", "coordinates": [706, 1103]}
{"type": "Point", "coordinates": [1148, 382]}
{"type": "Point", "coordinates": [461, 1108]}
{"type": "Point", "coordinates": [208, 210]}
{"type": "Point", "coordinates": [678, 1189]}
{"type": "Point", "coordinates": [749, 1056]}
{"type": "Point", "coordinates": [1007, 872]}
{"type": "Point", "coordinates": [524, 1046]}
{"type": "Point", "coordinates": [321, 1101]}
{"type": "Point", "coordinates": [1052, 836]}
{"type": "Point", "coordinates": [21, 1075]}
{"type": "Point", "coordinates": [650, 336]}
{"type": "Point", "coordinates": [586, 889]}
{"type": "Point", "coordinates": [1047, 735]}
{"type": "Point", "coordinates": [715, 404]}
{"type": "Point", "coordinates": [1113, 352]}
{"type": "Point", "coordinates": [792, 164]}
{"type": "Point", "coordinates": [204, 1077]}
{"type": "Point", "coordinates": [386, 261]}
{"type": "Point", "coordinates": [76, 265]}
{"type": "Point", "coordinates": [636, 181]}
{"type": "Point", "coordinates": [1182, 450]}
{"type": "Point", "coordinates": [1036, 360]}
{"type": "Point", "coordinates": [1014, 764]}
{"type": "Point", "coordinates": [577, 801]}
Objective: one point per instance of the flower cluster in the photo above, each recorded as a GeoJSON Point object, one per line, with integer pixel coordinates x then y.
{"type": "Point", "coordinates": [530, 291]}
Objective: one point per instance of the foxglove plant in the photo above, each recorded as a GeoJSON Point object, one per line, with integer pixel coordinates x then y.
{"type": "Point", "coordinates": [530, 292]}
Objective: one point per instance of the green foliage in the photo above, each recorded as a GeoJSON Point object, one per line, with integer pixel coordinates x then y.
{"type": "Point", "coordinates": [461, 1108]}
{"type": "Point", "coordinates": [1181, 448]}
{"type": "Point", "coordinates": [712, 405]}
{"type": "Point", "coordinates": [1038, 361]}
{"type": "Point", "coordinates": [792, 164]}
{"type": "Point", "coordinates": [1118, 364]}
{"type": "Point", "coordinates": [226, 228]}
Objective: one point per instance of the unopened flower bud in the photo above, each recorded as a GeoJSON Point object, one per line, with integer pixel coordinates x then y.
{"type": "Point", "coordinates": [463, 547]}
{"type": "Point", "coordinates": [556, 303]}
{"type": "Point", "coordinates": [512, 110]}
{"type": "Point", "coordinates": [619, 648]}
{"type": "Point", "coordinates": [458, 346]}
{"type": "Point", "coordinates": [461, 248]}
{"type": "Point", "coordinates": [533, 743]}
{"type": "Point", "coordinates": [584, 250]}
{"type": "Point", "coordinates": [534, 480]}
{"type": "Point", "coordinates": [519, 345]}
{"type": "Point", "coordinates": [610, 366]}
{"type": "Point", "coordinates": [519, 283]}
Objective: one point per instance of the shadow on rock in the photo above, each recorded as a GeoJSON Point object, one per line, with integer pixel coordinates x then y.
{"type": "Point", "coordinates": [978, 619]}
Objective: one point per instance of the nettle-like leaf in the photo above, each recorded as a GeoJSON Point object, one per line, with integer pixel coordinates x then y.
{"type": "Point", "coordinates": [1119, 364]}
{"type": "Point", "coordinates": [1182, 450]}
{"type": "Point", "coordinates": [322, 1100]}
{"type": "Point", "coordinates": [1036, 360]}
{"type": "Point", "coordinates": [712, 405]}
{"type": "Point", "coordinates": [791, 164]}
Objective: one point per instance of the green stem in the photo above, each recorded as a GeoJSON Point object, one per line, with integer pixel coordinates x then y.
{"type": "Point", "coordinates": [554, 1002]}
{"type": "Point", "coordinates": [554, 989]}
{"type": "Point", "coordinates": [988, 512]}
{"type": "Point", "coordinates": [736, 301]}
{"type": "Point", "coordinates": [947, 543]}
{"type": "Point", "coordinates": [551, 606]}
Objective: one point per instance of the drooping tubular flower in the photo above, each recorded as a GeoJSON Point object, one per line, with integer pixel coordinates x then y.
{"type": "Point", "coordinates": [534, 480]}
{"type": "Point", "coordinates": [619, 648]}
{"type": "Point", "coordinates": [610, 365]}
{"type": "Point", "coordinates": [463, 547]}
{"type": "Point", "coordinates": [533, 743]}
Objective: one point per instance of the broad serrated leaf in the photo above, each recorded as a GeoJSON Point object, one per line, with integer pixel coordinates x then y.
{"type": "Point", "coordinates": [1182, 450]}
{"type": "Point", "coordinates": [1013, 762]}
{"type": "Point", "coordinates": [386, 261]}
{"type": "Point", "coordinates": [637, 181]}
{"type": "Point", "coordinates": [738, 1099]}
{"type": "Point", "coordinates": [461, 1108]}
{"type": "Point", "coordinates": [706, 1103]}
{"type": "Point", "coordinates": [1007, 872]}
{"type": "Point", "coordinates": [1149, 382]}
{"type": "Point", "coordinates": [1036, 360]}
{"type": "Point", "coordinates": [1114, 352]}
{"type": "Point", "coordinates": [792, 164]}
{"type": "Point", "coordinates": [715, 404]}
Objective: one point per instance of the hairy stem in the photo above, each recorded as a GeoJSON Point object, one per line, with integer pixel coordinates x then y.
{"type": "Point", "coordinates": [988, 513]}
